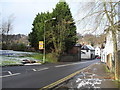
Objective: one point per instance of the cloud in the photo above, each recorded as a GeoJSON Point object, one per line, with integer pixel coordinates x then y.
{"type": "Point", "coordinates": [31, 1]}
{"type": "Point", "coordinates": [25, 11]}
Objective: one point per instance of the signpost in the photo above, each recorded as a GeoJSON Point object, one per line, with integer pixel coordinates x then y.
{"type": "Point", "coordinates": [40, 44]}
{"type": "Point", "coordinates": [41, 47]}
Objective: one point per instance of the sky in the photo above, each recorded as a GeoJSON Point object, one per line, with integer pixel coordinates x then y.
{"type": "Point", "coordinates": [25, 11]}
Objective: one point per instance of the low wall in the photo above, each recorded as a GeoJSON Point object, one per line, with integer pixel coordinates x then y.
{"type": "Point", "coordinates": [73, 55]}
{"type": "Point", "coordinates": [70, 57]}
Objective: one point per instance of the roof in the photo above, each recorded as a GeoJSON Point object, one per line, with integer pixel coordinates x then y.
{"type": "Point", "coordinates": [77, 45]}
{"type": "Point", "coordinates": [87, 47]}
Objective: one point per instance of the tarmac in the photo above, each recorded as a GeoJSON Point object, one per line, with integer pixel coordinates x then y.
{"type": "Point", "coordinates": [95, 77]}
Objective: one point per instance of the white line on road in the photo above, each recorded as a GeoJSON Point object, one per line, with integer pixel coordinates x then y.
{"type": "Point", "coordinates": [10, 72]}
{"type": "Point", "coordinates": [67, 64]}
{"type": "Point", "coordinates": [9, 75]}
{"type": "Point", "coordinates": [43, 69]}
{"type": "Point", "coordinates": [72, 64]}
{"type": "Point", "coordinates": [34, 69]}
{"type": "Point", "coordinates": [63, 65]}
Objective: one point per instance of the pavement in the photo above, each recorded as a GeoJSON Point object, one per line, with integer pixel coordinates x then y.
{"type": "Point", "coordinates": [95, 77]}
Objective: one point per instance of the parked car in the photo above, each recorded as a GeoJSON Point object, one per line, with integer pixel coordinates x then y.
{"type": "Point", "coordinates": [98, 57]}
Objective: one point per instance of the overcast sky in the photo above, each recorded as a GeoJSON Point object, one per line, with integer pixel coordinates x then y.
{"type": "Point", "coordinates": [25, 11]}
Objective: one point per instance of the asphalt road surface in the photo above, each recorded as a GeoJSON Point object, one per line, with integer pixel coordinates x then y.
{"type": "Point", "coordinates": [39, 76]}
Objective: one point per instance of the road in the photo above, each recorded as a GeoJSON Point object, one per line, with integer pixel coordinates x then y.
{"type": "Point", "coordinates": [40, 75]}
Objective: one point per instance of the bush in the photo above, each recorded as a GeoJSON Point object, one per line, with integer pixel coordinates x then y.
{"type": "Point", "coordinates": [51, 57]}
{"type": "Point", "coordinates": [18, 47]}
{"type": "Point", "coordinates": [38, 56]}
{"type": "Point", "coordinates": [4, 46]}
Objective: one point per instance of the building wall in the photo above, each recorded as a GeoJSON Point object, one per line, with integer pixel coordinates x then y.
{"type": "Point", "coordinates": [108, 48]}
{"type": "Point", "coordinates": [109, 44]}
{"type": "Point", "coordinates": [85, 54]}
{"type": "Point", "coordinates": [97, 51]}
{"type": "Point", "coordinates": [118, 43]}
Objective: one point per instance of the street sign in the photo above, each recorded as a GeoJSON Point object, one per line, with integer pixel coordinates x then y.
{"type": "Point", "coordinates": [40, 44]}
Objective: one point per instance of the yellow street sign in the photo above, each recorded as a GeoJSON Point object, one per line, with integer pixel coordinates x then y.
{"type": "Point", "coordinates": [40, 44]}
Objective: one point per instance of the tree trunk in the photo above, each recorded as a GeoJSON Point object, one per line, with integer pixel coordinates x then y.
{"type": "Point", "coordinates": [117, 61]}
{"type": "Point", "coordinates": [114, 37]}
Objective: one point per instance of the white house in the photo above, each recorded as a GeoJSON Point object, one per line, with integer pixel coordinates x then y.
{"type": "Point", "coordinates": [97, 51]}
{"type": "Point", "coordinates": [107, 53]}
{"type": "Point", "coordinates": [108, 48]}
{"type": "Point", "coordinates": [87, 52]}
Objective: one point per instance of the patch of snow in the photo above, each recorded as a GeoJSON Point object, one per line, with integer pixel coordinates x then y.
{"type": "Point", "coordinates": [88, 83]}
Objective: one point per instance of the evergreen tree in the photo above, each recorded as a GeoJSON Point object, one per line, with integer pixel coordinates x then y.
{"type": "Point", "coordinates": [63, 16]}
{"type": "Point", "coordinates": [60, 33]}
{"type": "Point", "coordinates": [37, 33]}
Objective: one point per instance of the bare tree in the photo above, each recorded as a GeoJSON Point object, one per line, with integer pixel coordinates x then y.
{"type": "Point", "coordinates": [6, 28]}
{"type": "Point", "coordinates": [103, 15]}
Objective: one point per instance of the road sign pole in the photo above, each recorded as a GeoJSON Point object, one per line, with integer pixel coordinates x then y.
{"type": "Point", "coordinates": [44, 45]}
{"type": "Point", "coordinates": [41, 47]}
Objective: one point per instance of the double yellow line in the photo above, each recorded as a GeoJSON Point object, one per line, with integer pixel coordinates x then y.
{"type": "Point", "coordinates": [63, 79]}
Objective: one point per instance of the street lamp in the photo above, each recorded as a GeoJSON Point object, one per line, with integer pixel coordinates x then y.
{"type": "Point", "coordinates": [44, 38]}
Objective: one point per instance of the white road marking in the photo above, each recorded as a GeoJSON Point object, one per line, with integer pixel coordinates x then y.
{"type": "Point", "coordinates": [10, 72]}
{"type": "Point", "coordinates": [72, 64]}
{"type": "Point", "coordinates": [42, 69]}
{"type": "Point", "coordinates": [34, 69]}
{"type": "Point", "coordinates": [67, 64]}
{"type": "Point", "coordinates": [63, 65]}
{"type": "Point", "coordinates": [10, 75]}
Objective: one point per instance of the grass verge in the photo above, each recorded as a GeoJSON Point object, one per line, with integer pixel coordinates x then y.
{"type": "Point", "coordinates": [50, 58]}
{"type": "Point", "coordinates": [10, 63]}
{"type": "Point", "coordinates": [117, 82]}
{"type": "Point", "coordinates": [106, 69]}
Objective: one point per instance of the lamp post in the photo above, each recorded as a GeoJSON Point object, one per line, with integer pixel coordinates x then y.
{"type": "Point", "coordinates": [44, 38]}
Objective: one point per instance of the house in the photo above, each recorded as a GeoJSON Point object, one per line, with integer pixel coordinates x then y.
{"type": "Point", "coordinates": [107, 52]}
{"type": "Point", "coordinates": [87, 52]}
{"type": "Point", "coordinates": [97, 51]}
